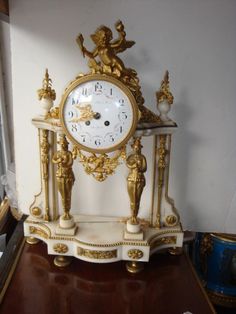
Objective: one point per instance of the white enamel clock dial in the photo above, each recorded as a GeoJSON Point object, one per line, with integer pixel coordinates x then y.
{"type": "Point", "coordinates": [99, 113]}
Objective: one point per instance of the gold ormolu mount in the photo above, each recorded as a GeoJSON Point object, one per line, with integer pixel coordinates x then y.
{"type": "Point", "coordinates": [45, 147]}
{"type": "Point", "coordinates": [99, 165]}
{"type": "Point", "coordinates": [161, 172]}
{"type": "Point", "coordinates": [46, 91]}
{"type": "Point", "coordinates": [106, 50]}
{"type": "Point", "coordinates": [103, 59]}
{"type": "Point", "coordinates": [137, 164]}
{"type": "Point", "coordinates": [65, 176]}
{"type": "Point", "coordinates": [164, 92]}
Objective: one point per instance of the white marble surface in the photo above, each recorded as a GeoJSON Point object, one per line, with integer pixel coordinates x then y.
{"type": "Point", "coordinates": [95, 233]}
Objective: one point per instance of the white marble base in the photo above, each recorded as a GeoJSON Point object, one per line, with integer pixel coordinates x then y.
{"type": "Point", "coordinates": [133, 231]}
{"type": "Point", "coordinates": [64, 231]}
{"type": "Point", "coordinates": [133, 228]}
{"type": "Point", "coordinates": [66, 223]}
{"type": "Point", "coordinates": [133, 236]}
{"type": "Point", "coordinates": [102, 239]}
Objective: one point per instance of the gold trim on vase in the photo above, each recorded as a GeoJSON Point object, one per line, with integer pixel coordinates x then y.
{"type": "Point", "coordinates": [205, 249]}
{"type": "Point", "coordinates": [225, 237]}
{"type": "Point", "coordinates": [222, 299]}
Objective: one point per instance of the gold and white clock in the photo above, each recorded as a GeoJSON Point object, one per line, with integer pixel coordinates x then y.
{"type": "Point", "coordinates": [99, 113]}
{"type": "Point", "coordinates": [100, 123]}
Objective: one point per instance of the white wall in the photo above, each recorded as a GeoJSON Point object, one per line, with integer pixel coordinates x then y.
{"type": "Point", "coordinates": [194, 40]}
{"type": "Point", "coordinates": [6, 107]}
{"type": "Point", "coordinates": [6, 80]}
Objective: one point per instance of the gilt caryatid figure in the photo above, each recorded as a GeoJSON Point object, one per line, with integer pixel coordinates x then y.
{"type": "Point", "coordinates": [65, 176]}
{"type": "Point", "coordinates": [137, 164]}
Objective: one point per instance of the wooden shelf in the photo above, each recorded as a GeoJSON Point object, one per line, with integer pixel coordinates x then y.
{"type": "Point", "coordinates": [168, 284]}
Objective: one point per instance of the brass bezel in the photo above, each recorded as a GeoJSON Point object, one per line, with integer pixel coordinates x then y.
{"type": "Point", "coordinates": [119, 84]}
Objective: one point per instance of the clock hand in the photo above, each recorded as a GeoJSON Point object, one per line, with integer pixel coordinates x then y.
{"type": "Point", "coordinates": [86, 113]}
{"type": "Point", "coordinates": [96, 116]}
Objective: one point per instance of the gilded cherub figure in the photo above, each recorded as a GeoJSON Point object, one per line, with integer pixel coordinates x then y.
{"type": "Point", "coordinates": [137, 164]}
{"type": "Point", "coordinates": [106, 49]}
{"type": "Point", "coordinates": [65, 176]}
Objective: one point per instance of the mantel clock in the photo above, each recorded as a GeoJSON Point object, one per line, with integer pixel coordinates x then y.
{"type": "Point", "coordinates": [100, 122]}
